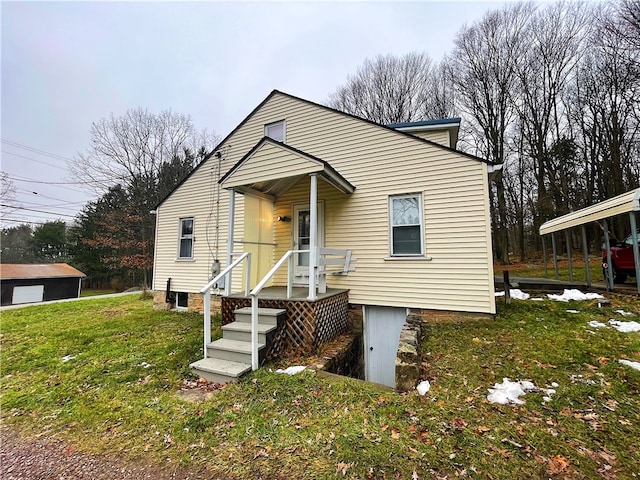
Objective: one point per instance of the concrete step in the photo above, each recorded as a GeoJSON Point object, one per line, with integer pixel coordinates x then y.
{"type": "Point", "coordinates": [220, 371]}
{"type": "Point", "coordinates": [233, 350]}
{"type": "Point", "coordinates": [268, 316]}
{"type": "Point", "coordinates": [242, 331]}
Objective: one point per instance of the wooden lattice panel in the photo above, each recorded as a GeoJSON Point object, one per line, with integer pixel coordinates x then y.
{"type": "Point", "coordinates": [308, 324]}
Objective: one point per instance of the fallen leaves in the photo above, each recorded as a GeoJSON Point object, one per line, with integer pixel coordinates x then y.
{"type": "Point", "coordinates": [558, 464]}
{"type": "Point", "coordinates": [342, 467]}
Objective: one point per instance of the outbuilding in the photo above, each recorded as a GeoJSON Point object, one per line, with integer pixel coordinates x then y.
{"type": "Point", "coordinates": [33, 283]}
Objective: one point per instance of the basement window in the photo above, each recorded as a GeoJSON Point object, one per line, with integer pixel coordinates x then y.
{"type": "Point", "coordinates": [182, 300]}
{"type": "Point", "coordinates": [275, 130]}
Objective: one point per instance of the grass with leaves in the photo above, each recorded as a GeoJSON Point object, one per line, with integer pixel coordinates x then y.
{"type": "Point", "coordinates": [104, 375]}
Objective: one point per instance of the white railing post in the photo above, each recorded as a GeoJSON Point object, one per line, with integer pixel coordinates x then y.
{"type": "Point", "coordinates": [254, 332]}
{"type": "Point", "coordinates": [207, 320]}
{"type": "Point", "coordinates": [290, 277]}
{"type": "Point", "coordinates": [313, 236]}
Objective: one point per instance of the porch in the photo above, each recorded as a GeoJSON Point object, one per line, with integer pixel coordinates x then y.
{"type": "Point", "coordinates": [308, 323]}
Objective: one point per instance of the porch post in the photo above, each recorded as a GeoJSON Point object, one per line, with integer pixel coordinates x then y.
{"type": "Point", "coordinates": [636, 254]}
{"type": "Point", "coordinates": [607, 245]}
{"type": "Point", "coordinates": [585, 251]}
{"type": "Point", "coordinates": [232, 212]}
{"type": "Point", "coordinates": [567, 236]}
{"type": "Point", "coordinates": [313, 234]}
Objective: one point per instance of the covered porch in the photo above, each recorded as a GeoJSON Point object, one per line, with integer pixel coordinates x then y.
{"type": "Point", "coordinates": [295, 285]}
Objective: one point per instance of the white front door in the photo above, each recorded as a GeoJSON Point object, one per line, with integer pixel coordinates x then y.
{"type": "Point", "coordinates": [301, 238]}
{"type": "Point", "coordinates": [382, 327]}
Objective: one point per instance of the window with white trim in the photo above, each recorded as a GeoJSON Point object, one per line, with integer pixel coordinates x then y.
{"type": "Point", "coordinates": [275, 130]}
{"type": "Point", "coordinates": [406, 225]}
{"type": "Point", "coordinates": [185, 247]}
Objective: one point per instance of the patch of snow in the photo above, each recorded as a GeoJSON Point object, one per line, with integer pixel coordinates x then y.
{"type": "Point", "coordinates": [596, 324]}
{"type": "Point", "coordinates": [572, 311]}
{"type": "Point", "coordinates": [624, 314]}
{"type": "Point", "coordinates": [66, 358]}
{"type": "Point", "coordinates": [515, 293]}
{"type": "Point", "coordinates": [554, 384]}
{"type": "Point", "coordinates": [291, 370]}
{"type": "Point", "coordinates": [144, 365]}
{"type": "Point", "coordinates": [423, 387]}
{"type": "Point", "coordinates": [508, 391]}
{"type": "Point", "coordinates": [625, 327]}
{"type": "Point", "coordinates": [573, 294]}
{"type": "Point", "coordinates": [537, 299]}
{"type": "Point", "coordinates": [629, 363]}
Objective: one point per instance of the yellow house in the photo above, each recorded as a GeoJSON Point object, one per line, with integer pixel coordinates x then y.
{"type": "Point", "coordinates": [352, 213]}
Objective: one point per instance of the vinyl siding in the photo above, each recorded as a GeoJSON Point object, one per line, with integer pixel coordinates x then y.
{"type": "Point", "coordinates": [437, 136]}
{"type": "Point", "coordinates": [379, 163]}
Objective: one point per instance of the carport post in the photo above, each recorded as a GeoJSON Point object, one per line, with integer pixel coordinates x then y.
{"type": "Point", "coordinates": [636, 254]}
{"type": "Point", "coordinates": [585, 250]}
{"type": "Point", "coordinates": [567, 236]}
{"type": "Point", "coordinates": [555, 254]}
{"type": "Point", "coordinates": [607, 246]}
{"type": "Point", "coordinates": [544, 256]}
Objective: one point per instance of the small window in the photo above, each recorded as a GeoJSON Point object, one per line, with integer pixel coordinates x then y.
{"type": "Point", "coordinates": [185, 249]}
{"type": "Point", "coordinates": [406, 225]}
{"type": "Point", "coordinates": [182, 300]}
{"type": "Point", "coordinates": [275, 131]}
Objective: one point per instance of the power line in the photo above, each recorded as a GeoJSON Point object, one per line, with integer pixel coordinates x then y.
{"type": "Point", "coordinates": [34, 210]}
{"type": "Point", "coordinates": [34, 160]}
{"type": "Point", "coordinates": [21, 221]}
{"type": "Point", "coordinates": [57, 185]}
{"type": "Point", "coordinates": [35, 150]}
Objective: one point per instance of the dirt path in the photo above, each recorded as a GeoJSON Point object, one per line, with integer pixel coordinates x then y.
{"type": "Point", "coordinates": [44, 459]}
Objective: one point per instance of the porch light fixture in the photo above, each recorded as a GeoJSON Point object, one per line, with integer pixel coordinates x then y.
{"type": "Point", "coordinates": [283, 218]}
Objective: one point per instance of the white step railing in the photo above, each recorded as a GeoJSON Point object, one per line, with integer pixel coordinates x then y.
{"type": "Point", "coordinates": [254, 299]}
{"type": "Point", "coordinates": [206, 292]}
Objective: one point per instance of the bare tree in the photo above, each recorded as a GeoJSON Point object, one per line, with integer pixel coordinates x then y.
{"type": "Point", "coordinates": [484, 65]}
{"type": "Point", "coordinates": [132, 148]}
{"type": "Point", "coordinates": [388, 89]}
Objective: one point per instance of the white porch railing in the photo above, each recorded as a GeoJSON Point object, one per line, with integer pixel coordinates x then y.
{"type": "Point", "coordinates": [206, 292]}
{"type": "Point", "coordinates": [337, 266]}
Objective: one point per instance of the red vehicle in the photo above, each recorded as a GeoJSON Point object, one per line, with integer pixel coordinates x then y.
{"type": "Point", "coordinates": [622, 261]}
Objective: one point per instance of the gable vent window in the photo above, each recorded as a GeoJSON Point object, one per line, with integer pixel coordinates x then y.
{"type": "Point", "coordinates": [275, 131]}
{"type": "Point", "coordinates": [185, 249]}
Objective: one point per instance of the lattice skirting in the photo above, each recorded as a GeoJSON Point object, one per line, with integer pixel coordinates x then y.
{"type": "Point", "coordinates": [308, 324]}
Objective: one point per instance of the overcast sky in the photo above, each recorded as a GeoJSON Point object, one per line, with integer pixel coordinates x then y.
{"type": "Point", "coordinates": [68, 64]}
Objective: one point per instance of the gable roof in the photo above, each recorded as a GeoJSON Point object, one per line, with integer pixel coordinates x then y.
{"type": "Point", "coordinates": [15, 271]}
{"type": "Point", "coordinates": [292, 164]}
{"type": "Point", "coordinates": [441, 122]}
{"type": "Point", "coordinates": [318, 105]}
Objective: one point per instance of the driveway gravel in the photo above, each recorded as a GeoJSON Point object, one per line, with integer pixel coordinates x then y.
{"type": "Point", "coordinates": [48, 459]}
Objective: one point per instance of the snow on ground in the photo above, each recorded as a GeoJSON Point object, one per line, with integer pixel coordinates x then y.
{"type": "Point", "coordinates": [596, 324]}
{"type": "Point", "coordinates": [574, 294]}
{"type": "Point", "coordinates": [514, 293]}
{"type": "Point", "coordinates": [625, 327]}
{"type": "Point", "coordinates": [572, 311]}
{"type": "Point", "coordinates": [423, 387]}
{"type": "Point", "coordinates": [634, 365]}
{"type": "Point", "coordinates": [624, 314]}
{"type": "Point", "coordinates": [291, 370]}
{"type": "Point", "coordinates": [66, 358]}
{"type": "Point", "coordinates": [508, 391]}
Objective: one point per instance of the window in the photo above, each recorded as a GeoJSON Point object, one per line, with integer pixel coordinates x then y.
{"type": "Point", "coordinates": [185, 249]}
{"type": "Point", "coordinates": [182, 300]}
{"type": "Point", "coordinates": [406, 225]}
{"type": "Point", "coordinates": [275, 131]}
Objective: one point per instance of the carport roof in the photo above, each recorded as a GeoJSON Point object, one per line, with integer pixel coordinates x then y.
{"type": "Point", "coordinates": [15, 271]}
{"type": "Point", "coordinates": [627, 202]}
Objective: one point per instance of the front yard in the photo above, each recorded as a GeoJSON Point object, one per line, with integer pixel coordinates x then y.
{"type": "Point", "coordinates": [107, 376]}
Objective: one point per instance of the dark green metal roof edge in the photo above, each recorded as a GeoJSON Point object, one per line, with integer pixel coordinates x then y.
{"type": "Point", "coordinates": [425, 123]}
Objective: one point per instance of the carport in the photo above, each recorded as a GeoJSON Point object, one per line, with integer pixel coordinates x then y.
{"type": "Point", "coordinates": [627, 203]}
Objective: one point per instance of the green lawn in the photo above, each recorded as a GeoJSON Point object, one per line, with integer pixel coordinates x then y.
{"type": "Point", "coordinates": [90, 292]}
{"type": "Point", "coordinates": [104, 375]}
